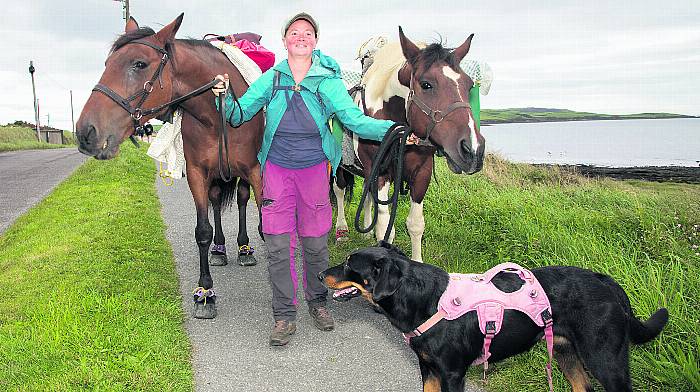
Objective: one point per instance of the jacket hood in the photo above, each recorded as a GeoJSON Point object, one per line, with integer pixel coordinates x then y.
{"type": "Point", "coordinates": [327, 62]}
{"type": "Point", "coordinates": [321, 65]}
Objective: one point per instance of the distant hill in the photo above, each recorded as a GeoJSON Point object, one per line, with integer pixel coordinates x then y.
{"type": "Point", "coordinates": [521, 115]}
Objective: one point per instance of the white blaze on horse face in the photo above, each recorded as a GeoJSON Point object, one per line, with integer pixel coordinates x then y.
{"type": "Point", "coordinates": [472, 132]}
{"type": "Point", "coordinates": [454, 76]}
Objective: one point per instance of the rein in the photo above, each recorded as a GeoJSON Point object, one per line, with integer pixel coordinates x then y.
{"type": "Point", "coordinates": [223, 135]}
{"type": "Point", "coordinates": [137, 112]}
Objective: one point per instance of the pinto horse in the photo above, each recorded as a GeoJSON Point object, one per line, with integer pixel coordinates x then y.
{"type": "Point", "coordinates": [426, 88]}
{"type": "Point", "coordinates": [157, 69]}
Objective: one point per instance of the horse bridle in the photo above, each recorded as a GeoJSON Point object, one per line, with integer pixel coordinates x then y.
{"type": "Point", "coordinates": [138, 112]}
{"type": "Point", "coordinates": [435, 116]}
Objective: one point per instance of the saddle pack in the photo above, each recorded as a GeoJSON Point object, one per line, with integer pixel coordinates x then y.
{"type": "Point", "coordinates": [248, 43]}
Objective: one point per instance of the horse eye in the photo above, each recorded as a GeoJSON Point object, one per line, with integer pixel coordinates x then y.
{"type": "Point", "coordinates": [425, 85]}
{"type": "Point", "coordinates": [139, 65]}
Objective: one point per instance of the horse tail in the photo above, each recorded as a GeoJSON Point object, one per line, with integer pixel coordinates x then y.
{"type": "Point", "coordinates": [228, 192]}
{"type": "Point", "coordinates": [349, 185]}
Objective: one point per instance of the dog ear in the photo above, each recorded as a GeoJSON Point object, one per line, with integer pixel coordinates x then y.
{"type": "Point", "coordinates": [388, 278]}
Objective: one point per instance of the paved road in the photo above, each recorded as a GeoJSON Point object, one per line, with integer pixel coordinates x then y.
{"type": "Point", "coordinates": [231, 352]}
{"type": "Point", "coordinates": [26, 177]}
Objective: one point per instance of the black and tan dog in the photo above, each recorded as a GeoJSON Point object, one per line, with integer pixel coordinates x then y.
{"type": "Point", "coordinates": [593, 320]}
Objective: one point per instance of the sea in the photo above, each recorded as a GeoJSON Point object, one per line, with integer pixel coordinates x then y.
{"type": "Point", "coordinates": [610, 143]}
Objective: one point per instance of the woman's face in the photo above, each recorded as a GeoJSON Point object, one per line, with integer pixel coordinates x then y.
{"type": "Point", "coordinates": [300, 39]}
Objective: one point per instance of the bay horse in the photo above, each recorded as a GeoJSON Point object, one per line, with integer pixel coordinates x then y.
{"type": "Point", "coordinates": [157, 69]}
{"type": "Point", "coordinates": [426, 88]}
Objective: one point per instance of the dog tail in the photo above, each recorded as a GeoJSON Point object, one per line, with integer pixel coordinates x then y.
{"type": "Point", "coordinates": [642, 332]}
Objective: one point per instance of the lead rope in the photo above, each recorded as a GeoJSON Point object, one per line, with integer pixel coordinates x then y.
{"type": "Point", "coordinates": [370, 184]}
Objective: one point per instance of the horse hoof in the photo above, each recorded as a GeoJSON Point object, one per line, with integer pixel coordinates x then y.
{"type": "Point", "coordinates": [218, 260]}
{"type": "Point", "coordinates": [204, 310]}
{"type": "Point", "coordinates": [247, 260]}
{"type": "Point", "coordinates": [340, 240]}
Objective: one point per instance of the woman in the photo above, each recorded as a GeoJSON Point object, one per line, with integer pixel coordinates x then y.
{"type": "Point", "coordinates": [298, 154]}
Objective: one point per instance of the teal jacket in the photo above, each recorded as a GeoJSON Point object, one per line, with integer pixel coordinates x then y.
{"type": "Point", "coordinates": [323, 77]}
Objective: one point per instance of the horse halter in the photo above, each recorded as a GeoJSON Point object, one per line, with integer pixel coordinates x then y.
{"type": "Point", "coordinates": [435, 116]}
{"type": "Point", "coordinates": [137, 112]}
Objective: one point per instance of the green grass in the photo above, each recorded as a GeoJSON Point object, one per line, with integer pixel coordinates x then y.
{"type": "Point", "coordinates": [496, 116]}
{"type": "Point", "coordinates": [91, 297]}
{"type": "Point", "coordinates": [645, 235]}
{"type": "Point", "coordinates": [14, 138]}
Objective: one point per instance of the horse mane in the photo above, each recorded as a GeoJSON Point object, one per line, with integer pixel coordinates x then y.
{"type": "Point", "coordinates": [387, 62]}
{"type": "Point", "coordinates": [143, 32]}
{"type": "Point", "coordinates": [433, 53]}
{"type": "Point", "coordinates": [125, 38]}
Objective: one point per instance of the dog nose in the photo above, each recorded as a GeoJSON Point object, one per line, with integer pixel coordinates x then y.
{"type": "Point", "coordinates": [321, 275]}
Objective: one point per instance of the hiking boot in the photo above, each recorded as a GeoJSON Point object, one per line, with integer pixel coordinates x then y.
{"type": "Point", "coordinates": [322, 318]}
{"type": "Point", "coordinates": [282, 332]}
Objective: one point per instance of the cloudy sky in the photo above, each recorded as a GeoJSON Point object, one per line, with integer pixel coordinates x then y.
{"type": "Point", "coordinates": [599, 56]}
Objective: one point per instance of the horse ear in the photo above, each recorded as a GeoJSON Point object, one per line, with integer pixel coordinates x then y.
{"type": "Point", "coordinates": [167, 33]}
{"type": "Point", "coordinates": [463, 49]}
{"type": "Point", "coordinates": [410, 50]}
{"type": "Point", "coordinates": [131, 25]}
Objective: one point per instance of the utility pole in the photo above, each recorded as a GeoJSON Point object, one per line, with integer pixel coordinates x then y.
{"type": "Point", "coordinates": [48, 125]}
{"type": "Point", "coordinates": [125, 7]}
{"type": "Point", "coordinates": [72, 118]}
{"type": "Point", "coordinates": [36, 104]}
{"type": "Point", "coordinates": [126, 10]}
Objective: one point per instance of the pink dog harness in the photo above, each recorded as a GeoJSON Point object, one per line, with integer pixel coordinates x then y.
{"type": "Point", "coordinates": [469, 292]}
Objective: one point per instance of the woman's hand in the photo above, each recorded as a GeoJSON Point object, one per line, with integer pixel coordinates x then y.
{"type": "Point", "coordinates": [222, 86]}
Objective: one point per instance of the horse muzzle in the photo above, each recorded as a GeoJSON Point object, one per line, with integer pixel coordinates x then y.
{"type": "Point", "coordinates": [90, 144]}
{"type": "Point", "coordinates": [465, 159]}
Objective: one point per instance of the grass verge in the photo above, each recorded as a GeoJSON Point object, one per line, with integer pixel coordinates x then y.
{"type": "Point", "coordinates": [91, 295]}
{"type": "Point", "coordinates": [13, 138]}
{"type": "Point", "coordinates": [645, 235]}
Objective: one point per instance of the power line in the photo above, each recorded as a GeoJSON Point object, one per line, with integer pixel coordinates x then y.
{"type": "Point", "coordinates": [44, 73]}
